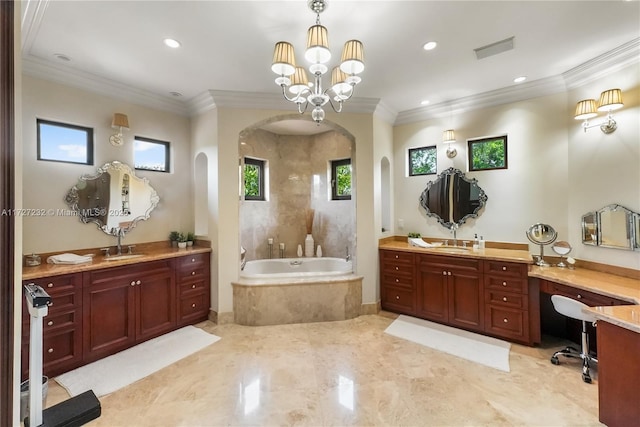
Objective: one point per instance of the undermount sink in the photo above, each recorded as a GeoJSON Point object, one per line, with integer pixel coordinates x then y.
{"type": "Point", "coordinates": [452, 248]}
{"type": "Point", "coordinates": [121, 257]}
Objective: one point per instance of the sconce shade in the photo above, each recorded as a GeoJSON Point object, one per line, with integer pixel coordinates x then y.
{"type": "Point", "coordinates": [120, 121]}
{"type": "Point", "coordinates": [299, 81]}
{"type": "Point", "coordinates": [317, 45]}
{"type": "Point", "coordinates": [352, 61]}
{"type": "Point", "coordinates": [284, 61]}
{"type": "Point", "coordinates": [610, 100]}
{"type": "Point", "coordinates": [586, 109]}
{"type": "Point", "coordinates": [448, 136]}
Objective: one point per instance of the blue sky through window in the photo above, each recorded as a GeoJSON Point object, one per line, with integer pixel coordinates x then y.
{"type": "Point", "coordinates": [150, 155]}
{"type": "Point", "coordinates": [64, 144]}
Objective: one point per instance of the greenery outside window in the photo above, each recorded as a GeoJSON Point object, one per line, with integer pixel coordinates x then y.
{"type": "Point", "coordinates": [341, 179]}
{"type": "Point", "coordinates": [487, 153]}
{"type": "Point", "coordinates": [423, 161]}
{"type": "Point", "coordinates": [151, 154]}
{"type": "Point", "coordinates": [62, 142]}
{"type": "Point", "coordinates": [253, 179]}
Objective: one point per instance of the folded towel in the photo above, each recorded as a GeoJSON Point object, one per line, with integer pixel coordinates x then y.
{"type": "Point", "coordinates": [68, 259]}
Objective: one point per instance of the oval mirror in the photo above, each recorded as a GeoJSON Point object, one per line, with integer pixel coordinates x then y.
{"type": "Point", "coordinates": [452, 198]}
{"type": "Point", "coordinates": [113, 198]}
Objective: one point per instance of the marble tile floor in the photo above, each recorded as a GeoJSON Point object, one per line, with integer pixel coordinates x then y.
{"type": "Point", "coordinates": [348, 373]}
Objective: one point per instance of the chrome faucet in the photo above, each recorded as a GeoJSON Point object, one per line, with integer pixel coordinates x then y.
{"type": "Point", "coordinates": [454, 229]}
{"type": "Point", "coordinates": [348, 257]}
{"type": "Point", "coordinates": [119, 234]}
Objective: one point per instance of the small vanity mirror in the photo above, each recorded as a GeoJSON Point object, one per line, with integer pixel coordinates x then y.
{"type": "Point", "coordinates": [542, 234]}
{"type": "Point", "coordinates": [613, 226]}
{"type": "Point", "coordinates": [113, 198]}
{"type": "Point", "coordinates": [452, 198]}
{"type": "Point", "coordinates": [562, 248]}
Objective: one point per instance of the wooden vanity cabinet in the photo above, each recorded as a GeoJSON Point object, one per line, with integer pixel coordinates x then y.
{"type": "Point", "coordinates": [192, 277]}
{"type": "Point", "coordinates": [123, 306]}
{"type": "Point", "coordinates": [62, 327]}
{"type": "Point", "coordinates": [397, 281]}
{"type": "Point", "coordinates": [449, 290]}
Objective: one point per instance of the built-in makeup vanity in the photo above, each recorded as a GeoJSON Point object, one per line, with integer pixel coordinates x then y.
{"type": "Point", "coordinates": [105, 306]}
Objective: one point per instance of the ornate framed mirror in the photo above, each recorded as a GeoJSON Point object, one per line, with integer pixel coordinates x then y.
{"type": "Point", "coordinates": [612, 226]}
{"type": "Point", "coordinates": [113, 198]}
{"type": "Point", "coordinates": [453, 198]}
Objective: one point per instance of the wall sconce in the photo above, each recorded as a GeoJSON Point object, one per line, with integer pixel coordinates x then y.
{"type": "Point", "coordinates": [609, 100]}
{"type": "Point", "coordinates": [448, 137]}
{"type": "Point", "coordinates": [120, 122]}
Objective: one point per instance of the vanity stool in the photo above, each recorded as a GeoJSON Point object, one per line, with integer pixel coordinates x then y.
{"type": "Point", "coordinates": [573, 309]}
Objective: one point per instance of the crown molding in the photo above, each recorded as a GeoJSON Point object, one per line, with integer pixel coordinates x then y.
{"type": "Point", "coordinates": [384, 112]}
{"type": "Point", "coordinates": [492, 98]}
{"type": "Point", "coordinates": [32, 15]}
{"type": "Point", "coordinates": [46, 70]}
{"type": "Point", "coordinates": [201, 103]}
{"type": "Point", "coordinates": [600, 66]}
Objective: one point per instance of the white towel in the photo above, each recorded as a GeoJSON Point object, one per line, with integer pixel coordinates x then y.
{"type": "Point", "coordinates": [68, 259]}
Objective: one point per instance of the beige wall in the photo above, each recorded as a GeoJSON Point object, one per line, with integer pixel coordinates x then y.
{"type": "Point", "coordinates": [556, 172]}
{"type": "Point", "coordinates": [46, 183]}
{"type": "Point", "coordinates": [298, 175]}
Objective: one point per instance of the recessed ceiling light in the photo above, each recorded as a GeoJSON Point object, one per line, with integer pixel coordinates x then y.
{"type": "Point", "coordinates": [520, 79]}
{"type": "Point", "coordinates": [175, 93]}
{"type": "Point", "coordinates": [430, 45]}
{"type": "Point", "coordinates": [62, 57]}
{"type": "Point", "coordinates": [172, 43]}
{"type": "Point", "coordinates": [425, 102]}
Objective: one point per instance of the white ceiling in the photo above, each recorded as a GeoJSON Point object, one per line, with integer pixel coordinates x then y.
{"type": "Point", "coordinates": [228, 45]}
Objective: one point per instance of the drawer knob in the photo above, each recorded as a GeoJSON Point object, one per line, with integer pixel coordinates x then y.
{"type": "Point", "coordinates": [444, 273]}
{"type": "Point", "coordinates": [193, 273]}
{"type": "Point", "coordinates": [397, 280]}
{"type": "Point", "coordinates": [49, 285]}
{"type": "Point", "coordinates": [505, 320]}
{"type": "Point", "coordinates": [193, 306]}
{"type": "Point", "coordinates": [504, 299]}
{"type": "Point", "coordinates": [137, 282]}
{"type": "Point", "coordinates": [504, 283]}
{"type": "Point", "coordinates": [193, 286]}
{"type": "Point", "coordinates": [193, 260]}
{"type": "Point", "coordinates": [448, 273]}
{"type": "Point", "coordinates": [396, 268]}
{"type": "Point", "coordinates": [50, 323]}
{"type": "Point", "coordinates": [50, 350]}
{"type": "Point", "coordinates": [504, 268]}
{"type": "Point", "coordinates": [397, 296]}
{"type": "Point", "coordinates": [579, 296]}
{"type": "Point", "coordinates": [133, 283]}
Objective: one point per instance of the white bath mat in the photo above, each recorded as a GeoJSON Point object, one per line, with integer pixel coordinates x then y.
{"type": "Point", "coordinates": [467, 345]}
{"type": "Point", "coordinates": [121, 369]}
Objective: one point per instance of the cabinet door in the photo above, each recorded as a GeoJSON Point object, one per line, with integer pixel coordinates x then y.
{"type": "Point", "coordinates": [156, 305]}
{"type": "Point", "coordinates": [432, 293]}
{"type": "Point", "coordinates": [109, 316]}
{"type": "Point", "coordinates": [466, 300]}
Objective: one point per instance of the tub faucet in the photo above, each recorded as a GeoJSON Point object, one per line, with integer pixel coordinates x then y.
{"type": "Point", "coordinates": [348, 257]}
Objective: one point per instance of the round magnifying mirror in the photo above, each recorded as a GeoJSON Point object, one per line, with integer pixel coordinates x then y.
{"type": "Point", "coordinates": [562, 248]}
{"type": "Point", "coordinates": [542, 234]}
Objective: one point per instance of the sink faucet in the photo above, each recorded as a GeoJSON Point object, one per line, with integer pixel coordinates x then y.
{"type": "Point", "coordinates": [454, 229]}
{"type": "Point", "coordinates": [119, 234]}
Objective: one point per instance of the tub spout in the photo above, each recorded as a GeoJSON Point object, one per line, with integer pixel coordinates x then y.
{"type": "Point", "coordinates": [348, 257]}
{"type": "Point", "coordinates": [243, 257]}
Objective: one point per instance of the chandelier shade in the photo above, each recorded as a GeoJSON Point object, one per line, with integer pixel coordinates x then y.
{"type": "Point", "coordinates": [299, 81]}
{"type": "Point", "coordinates": [318, 45]}
{"type": "Point", "coordinates": [284, 61]}
{"type": "Point", "coordinates": [352, 61]}
{"type": "Point", "coordinates": [586, 109]}
{"type": "Point", "coordinates": [339, 84]}
{"type": "Point", "coordinates": [610, 100]}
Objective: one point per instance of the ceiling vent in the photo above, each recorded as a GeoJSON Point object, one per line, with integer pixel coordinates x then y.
{"type": "Point", "coordinates": [494, 48]}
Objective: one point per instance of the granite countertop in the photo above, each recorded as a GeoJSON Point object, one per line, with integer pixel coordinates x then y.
{"type": "Point", "coordinates": [625, 316]}
{"type": "Point", "coordinates": [147, 252]}
{"type": "Point", "coordinates": [510, 255]}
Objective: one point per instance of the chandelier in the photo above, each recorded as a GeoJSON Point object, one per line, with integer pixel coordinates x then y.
{"type": "Point", "coordinates": [293, 79]}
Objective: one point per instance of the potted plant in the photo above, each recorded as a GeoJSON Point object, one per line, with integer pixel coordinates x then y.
{"type": "Point", "coordinates": [173, 238]}
{"type": "Point", "coordinates": [191, 237]}
{"type": "Point", "coordinates": [413, 236]}
{"type": "Point", "coordinates": [182, 241]}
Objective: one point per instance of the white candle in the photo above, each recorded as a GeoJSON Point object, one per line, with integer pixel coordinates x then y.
{"type": "Point", "coordinates": [281, 245]}
{"type": "Point", "coordinates": [270, 241]}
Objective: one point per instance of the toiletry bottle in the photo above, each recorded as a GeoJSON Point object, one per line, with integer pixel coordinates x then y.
{"type": "Point", "coordinates": [476, 243]}
{"type": "Point", "coordinates": [481, 244]}
{"type": "Point", "coordinates": [299, 251]}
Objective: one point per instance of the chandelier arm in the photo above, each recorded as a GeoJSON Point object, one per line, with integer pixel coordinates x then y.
{"type": "Point", "coordinates": [295, 98]}
{"type": "Point", "coordinates": [337, 110]}
{"type": "Point", "coordinates": [300, 110]}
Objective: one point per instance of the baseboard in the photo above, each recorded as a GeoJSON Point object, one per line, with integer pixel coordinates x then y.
{"type": "Point", "coordinates": [370, 308]}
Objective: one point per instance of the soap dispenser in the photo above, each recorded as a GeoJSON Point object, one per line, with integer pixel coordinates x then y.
{"type": "Point", "coordinates": [481, 243]}
{"type": "Point", "coordinates": [476, 243]}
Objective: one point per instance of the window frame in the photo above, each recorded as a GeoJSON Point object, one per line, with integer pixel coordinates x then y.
{"type": "Point", "coordinates": [477, 141]}
{"type": "Point", "coordinates": [335, 164]}
{"type": "Point", "coordinates": [429, 148]}
{"type": "Point", "coordinates": [167, 154]}
{"type": "Point", "coordinates": [261, 165]}
{"type": "Point", "coordinates": [89, 159]}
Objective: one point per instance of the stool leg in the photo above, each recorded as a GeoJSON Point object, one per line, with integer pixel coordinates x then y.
{"type": "Point", "coordinates": [586, 376]}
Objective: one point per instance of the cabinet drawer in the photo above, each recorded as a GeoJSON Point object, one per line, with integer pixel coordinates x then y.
{"type": "Point", "coordinates": [449, 263]}
{"type": "Point", "coordinates": [506, 283]}
{"type": "Point", "coordinates": [505, 268]}
{"type": "Point", "coordinates": [57, 285]}
{"type": "Point", "coordinates": [127, 272]}
{"type": "Point", "coordinates": [191, 260]}
{"type": "Point", "coordinates": [506, 299]}
{"type": "Point", "coordinates": [396, 257]}
{"type": "Point", "coordinates": [398, 268]}
{"type": "Point", "coordinates": [397, 299]}
{"type": "Point", "coordinates": [589, 298]}
{"type": "Point", "coordinates": [397, 280]}
{"type": "Point", "coordinates": [507, 322]}
{"type": "Point", "coordinates": [193, 288]}
{"type": "Point", "coordinates": [193, 308]}
{"type": "Point", "coordinates": [196, 272]}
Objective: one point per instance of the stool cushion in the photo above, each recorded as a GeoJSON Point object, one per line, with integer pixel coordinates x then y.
{"type": "Point", "coordinates": [571, 308]}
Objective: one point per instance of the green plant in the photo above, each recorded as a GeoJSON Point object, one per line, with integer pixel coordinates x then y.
{"type": "Point", "coordinates": [182, 237]}
{"type": "Point", "coordinates": [173, 236]}
{"type": "Point", "coordinates": [413, 235]}
{"type": "Point", "coordinates": [191, 237]}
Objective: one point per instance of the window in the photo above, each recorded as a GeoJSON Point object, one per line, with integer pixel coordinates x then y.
{"type": "Point", "coordinates": [422, 161]}
{"type": "Point", "coordinates": [151, 154]}
{"type": "Point", "coordinates": [487, 153]}
{"type": "Point", "coordinates": [61, 142]}
{"type": "Point", "coordinates": [341, 179]}
{"type": "Point", "coordinates": [253, 179]}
